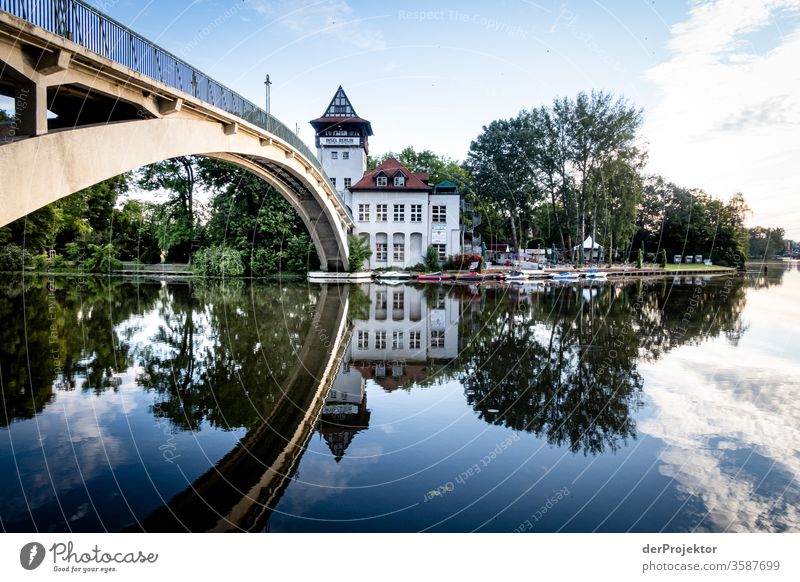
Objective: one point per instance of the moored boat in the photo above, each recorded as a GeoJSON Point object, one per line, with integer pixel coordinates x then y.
{"type": "Point", "coordinates": [471, 276]}
{"type": "Point", "coordinates": [595, 275]}
{"type": "Point", "coordinates": [437, 276]}
{"type": "Point", "coordinates": [565, 276]}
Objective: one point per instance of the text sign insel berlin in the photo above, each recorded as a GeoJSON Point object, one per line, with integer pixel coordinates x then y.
{"type": "Point", "coordinates": [341, 141]}
{"type": "Point", "coordinates": [439, 234]}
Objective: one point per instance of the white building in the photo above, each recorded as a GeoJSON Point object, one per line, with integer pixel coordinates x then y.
{"type": "Point", "coordinates": [342, 140]}
{"type": "Point", "coordinates": [396, 209]}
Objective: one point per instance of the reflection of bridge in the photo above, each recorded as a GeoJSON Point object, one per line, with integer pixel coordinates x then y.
{"type": "Point", "coordinates": [240, 492]}
{"type": "Point", "coordinates": [117, 102]}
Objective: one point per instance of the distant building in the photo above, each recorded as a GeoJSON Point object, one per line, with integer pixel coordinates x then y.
{"type": "Point", "coordinates": [396, 209]}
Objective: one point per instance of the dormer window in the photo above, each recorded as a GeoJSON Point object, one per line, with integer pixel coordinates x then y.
{"type": "Point", "coordinates": [381, 181]}
{"type": "Point", "coordinates": [399, 181]}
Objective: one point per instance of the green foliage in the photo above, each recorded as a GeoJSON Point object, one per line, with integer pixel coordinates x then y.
{"type": "Point", "coordinates": [102, 259]}
{"type": "Point", "coordinates": [247, 214]}
{"type": "Point", "coordinates": [449, 264]}
{"type": "Point", "coordinates": [577, 159]}
{"type": "Point", "coordinates": [662, 260]}
{"type": "Point", "coordinates": [219, 261]}
{"type": "Point", "coordinates": [431, 259]}
{"type": "Point", "coordinates": [640, 259]}
{"type": "Point", "coordinates": [764, 243]}
{"type": "Point", "coordinates": [178, 178]}
{"type": "Point", "coordinates": [359, 252]}
{"type": "Point", "coordinates": [13, 258]}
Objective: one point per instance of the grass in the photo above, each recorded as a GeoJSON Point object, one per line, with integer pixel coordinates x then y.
{"type": "Point", "coordinates": [694, 267]}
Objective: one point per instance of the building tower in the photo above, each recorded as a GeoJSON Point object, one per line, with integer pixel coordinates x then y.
{"type": "Point", "coordinates": [342, 140]}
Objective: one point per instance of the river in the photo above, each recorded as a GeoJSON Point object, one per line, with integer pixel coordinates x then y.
{"type": "Point", "coordinates": [658, 405]}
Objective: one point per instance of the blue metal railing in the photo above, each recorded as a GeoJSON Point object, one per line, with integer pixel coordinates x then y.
{"type": "Point", "coordinates": [91, 29]}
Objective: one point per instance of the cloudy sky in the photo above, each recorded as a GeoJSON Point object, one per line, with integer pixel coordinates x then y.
{"type": "Point", "coordinates": [718, 80]}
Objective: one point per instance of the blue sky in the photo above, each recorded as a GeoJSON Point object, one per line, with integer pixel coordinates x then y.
{"type": "Point", "coordinates": [718, 80]}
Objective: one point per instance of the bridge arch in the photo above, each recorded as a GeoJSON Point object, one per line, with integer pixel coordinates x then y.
{"type": "Point", "coordinates": [41, 170]}
{"type": "Point", "coordinates": [159, 109]}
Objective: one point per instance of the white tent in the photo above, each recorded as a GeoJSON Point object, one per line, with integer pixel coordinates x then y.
{"type": "Point", "coordinates": [591, 249]}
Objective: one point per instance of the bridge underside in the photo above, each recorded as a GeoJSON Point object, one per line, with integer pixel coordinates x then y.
{"type": "Point", "coordinates": [80, 118]}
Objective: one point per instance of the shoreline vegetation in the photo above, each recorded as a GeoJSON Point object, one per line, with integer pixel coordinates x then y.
{"type": "Point", "coordinates": [547, 178]}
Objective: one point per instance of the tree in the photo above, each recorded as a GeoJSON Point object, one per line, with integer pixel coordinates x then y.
{"type": "Point", "coordinates": [177, 178]}
{"type": "Point", "coordinates": [431, 260]}
{"type": "Point", "coordinates": [250, 216]}
{"type": "Point", "coordinates": [765, 243]}
{"type": "Point", "coordinates": [359, 252]}
{"type": "Point", "coordinates": [578, 156]}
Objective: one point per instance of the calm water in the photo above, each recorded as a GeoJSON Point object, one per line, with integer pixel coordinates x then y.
{"type": "Point", "coordinates": [662, 405]}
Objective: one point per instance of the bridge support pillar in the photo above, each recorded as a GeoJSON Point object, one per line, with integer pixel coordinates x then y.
{"type": "Point", "coordinates": [30, 103]}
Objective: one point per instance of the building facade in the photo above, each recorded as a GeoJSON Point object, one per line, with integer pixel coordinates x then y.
{"type": "Point", "coordinates": [397, 210]}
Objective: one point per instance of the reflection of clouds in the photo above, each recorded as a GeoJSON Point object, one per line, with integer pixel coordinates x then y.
{"type": "Point", "coordinates": [74, 433]}
{"type": "Point", "coordinates": [728, 418]}
{"type": "Point", "coordinates": [323, 478]}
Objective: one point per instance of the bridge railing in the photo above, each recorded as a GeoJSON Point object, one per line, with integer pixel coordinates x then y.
{"type": "Point", "coordinates": [93, 30]}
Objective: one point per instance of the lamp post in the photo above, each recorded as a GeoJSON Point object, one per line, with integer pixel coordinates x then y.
{"type": "Point", "coordinates": [267, 83]}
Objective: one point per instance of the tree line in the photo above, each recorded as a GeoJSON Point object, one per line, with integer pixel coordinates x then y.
{"type": "Point", "coordinates": [244, 228]}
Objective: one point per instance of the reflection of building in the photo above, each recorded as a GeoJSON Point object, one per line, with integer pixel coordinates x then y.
{"type": "Point", "coordinates": [345, 411]}
{"type": "Point", "coordinates": [404, 333]}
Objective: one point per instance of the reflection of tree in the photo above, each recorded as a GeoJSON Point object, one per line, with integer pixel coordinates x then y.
{"type": "Point", "coordinates": [565, 366]}
{"type": "Point", "coordinates": [222, 351]}
{"type": "Point", "coordinates": [60, 332]}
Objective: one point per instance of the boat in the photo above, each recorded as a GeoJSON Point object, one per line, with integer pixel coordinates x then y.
{"type": "Point", "coordinates": [393, 276]}
{"type": "Point", "coordinates": [595, 275]}
{"type": "Point", "coordinates": [515, 276]}
{"type": "Point", "coordinates": [471, 276]}
{"type": "Point", "coordinates": [334, 277]}
{"type": "Point", "coordinates": [565, 276]}
{"type": "Point", "coordinates": [437, 276]}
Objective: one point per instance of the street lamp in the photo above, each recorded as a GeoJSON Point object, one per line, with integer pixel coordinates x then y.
{"type": "Point", "coordinates": [267, 82]}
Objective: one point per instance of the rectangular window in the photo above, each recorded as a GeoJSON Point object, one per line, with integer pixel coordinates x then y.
{"type": "Point", "coordinates": [441, 250]}
{"type": "Point", "coordinates": [380, 300]}
{"type": "Point", "coordinates": [347, 182]}
{"type": "Point", "coordinates": [363, 212]}
{"type": "Point", "coordinates": [397, 340]}
{"type": "Point", "coordinates": [437, 339]}
{"type": "Point", "coordinates": [415, 340]}
{"type": "Point", "coordinates": [399, 212]}
{"type": "Point", "coordinates": [399, 252]}
{"type": "Point", "coordinates": [333, 181]}
{"type": "Point", "coordinates": [398, 300]}
{"type": "Point", "coordinates": [399, 181]}
{"type": "Point", "coordinates": [334, 155]}
{"type": "Point", "coordinates": [438, 213]}
{"type": "Point", "coordinates": [381, 181]}
{"type": "Point", "coordinates": [416, 213]}
{"type": "Point", "coordinates": [363, 340]}
{"type": "Point", "coordinates": [381, 212]}
{"type": "Point", "coordinates": [345, 155]}
{"type": "Point", "coordinates": [380, 340]}
{"type": "Point", "coordinates": [380, 252]}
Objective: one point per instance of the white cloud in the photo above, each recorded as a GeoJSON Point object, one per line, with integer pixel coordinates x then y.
{"type": "Point", "coordinates": [727, 116]}
{"type": "Point", "coordinates": [332, 18]}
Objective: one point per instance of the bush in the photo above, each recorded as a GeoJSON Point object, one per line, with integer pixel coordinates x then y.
{"type": "Point", "coordinates": [40, 262]}
{"type": "Point", "coordinates": [102, 259]}
{"type": "Point", "coordinates": [431, 259]}
{"type": "Point", "coordinates": [418, 268]}
{"type": "Point", "coordinates": [463, 261]}
{"type": "Point", "coordinates": [14, 258]}
{"type": "Point", "coordinates": [219, 261]}
{"type": "Point", "coordinates": [359, 252]}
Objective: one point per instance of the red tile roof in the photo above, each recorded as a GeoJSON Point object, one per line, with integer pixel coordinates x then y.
{"type": "Point", "coordinates": [390, 167]}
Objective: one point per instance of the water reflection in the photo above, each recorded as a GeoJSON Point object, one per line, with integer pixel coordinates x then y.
{"type": "Point", "coordinates": [153, 406]}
